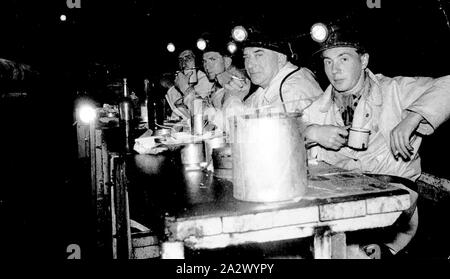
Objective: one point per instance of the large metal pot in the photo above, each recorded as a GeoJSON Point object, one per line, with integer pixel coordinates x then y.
{"type": "Point", "coordinates": [269, 157]}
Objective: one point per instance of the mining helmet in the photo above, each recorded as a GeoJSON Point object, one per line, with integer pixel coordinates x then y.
{"type": "Point", "coordinates": [257, 38]}
{"type": "Point", "coordinates": [337, 36]}
{"type": "Point", "coordinates": [212, 42]}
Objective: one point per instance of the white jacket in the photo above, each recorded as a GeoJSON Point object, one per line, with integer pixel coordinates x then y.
{"type": "Point", "coordinates": [298, 91]}
{"type": "Point", "coordinates": [297, 88]}
{"type": "Point", "coordinates": [174, 97]}
{"type": "Point", "coordinates": [380, 110]}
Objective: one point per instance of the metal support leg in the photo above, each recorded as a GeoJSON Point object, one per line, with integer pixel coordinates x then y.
{"type": "Point", "coordinates": [328, 245]}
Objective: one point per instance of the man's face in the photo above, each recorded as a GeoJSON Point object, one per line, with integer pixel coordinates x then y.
{"type": "Point", "coordinates": [261, 64]}
{"type": "Point", "coordinates": [213, 63]}
{"type": "Point", "coordinates": [186, 60]}
{"type": "Point", "coordinates": [343, 67]}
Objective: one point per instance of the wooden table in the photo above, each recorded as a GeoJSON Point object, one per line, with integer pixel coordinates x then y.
{"type": "Point", "coordinates": [198, 210]}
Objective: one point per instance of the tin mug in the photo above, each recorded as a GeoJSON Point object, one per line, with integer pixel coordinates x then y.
{"type": "Point", "coordinates": [358, 138]}
{"type": "Point", "coordinates": [193, 78]}
{"type": "Point", "coordinates": [197, 124]}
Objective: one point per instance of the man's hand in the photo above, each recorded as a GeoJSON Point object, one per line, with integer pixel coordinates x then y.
{"type": "Point", "coordinates": [223, 78]}
{"type": "Point", "coordinates": [328, 136]}
{"type": "Point", "coordinates": [182, 81]}
{"type": "Point", "coordinates": [236, 87]}
{"type": "Point", "coordinates": [402, 133]}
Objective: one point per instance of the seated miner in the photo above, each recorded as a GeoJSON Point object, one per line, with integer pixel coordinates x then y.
{"type": "Point", "coordinates": [219, 68]}
{"type": "Point", "coordinates": [189, 80]}
{"type": "Point", "coordinates": [395, 112]}
{"type": "Point", "coordinates": [281, 85]}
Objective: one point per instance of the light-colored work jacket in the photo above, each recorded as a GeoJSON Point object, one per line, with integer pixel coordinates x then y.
{"type": "Point", "coordinates": [298, 91]}
{"type": "Point", "coordinates": [175, 98]}
{"type": "Point", "coordinates": [380, 109]}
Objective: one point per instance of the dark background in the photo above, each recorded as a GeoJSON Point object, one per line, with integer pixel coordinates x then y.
{"type": "Point", "coordinates": [103, 41]}
{"type": "Point", "coordinates": [407, 37]}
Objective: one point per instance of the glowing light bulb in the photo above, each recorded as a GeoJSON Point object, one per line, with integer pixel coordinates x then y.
{"type": "Point", "coordinates": [201, 44]}
{"type": "Point", "coordinates": [232, 47]}
{"type": "Point", "coordinates": [87, 113]}
{"type": "Point", "coordinates": [63, 17]}
{"type": "Point", "coordinates": [239, 33]}
{"type": "Point", "coordinates": [170, 47]}
{"type": "Point", "coordinates": [319, 32]}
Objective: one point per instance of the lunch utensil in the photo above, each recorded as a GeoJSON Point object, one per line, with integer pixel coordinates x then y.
{"type": "Point", "coordinates": [358, 138]}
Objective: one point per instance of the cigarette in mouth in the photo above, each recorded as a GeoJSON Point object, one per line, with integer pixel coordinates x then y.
{"type": "Point", "coordinates": [238, 78]}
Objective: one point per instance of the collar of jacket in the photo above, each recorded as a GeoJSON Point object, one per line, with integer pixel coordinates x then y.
{"type": "Point", "coordinates": [372, 96]}
{"type": "Point", "coordinates": [273, 88]}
